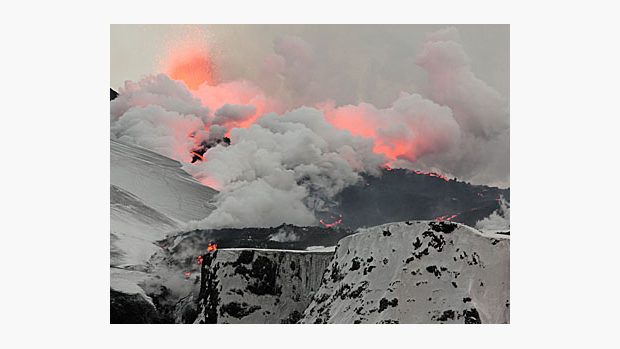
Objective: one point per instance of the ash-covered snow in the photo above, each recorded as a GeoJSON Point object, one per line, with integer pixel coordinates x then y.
{"type": "Point", "coordinates": [415, 272]}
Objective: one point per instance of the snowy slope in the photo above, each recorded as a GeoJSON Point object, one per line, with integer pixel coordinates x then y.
{"type": "Point", "coordinates": [258, 285]}
{"type": "Point", "coordinates": [150, 196]}
{"type": "Point", "coordinates": [159, 182]}
{"type": "Point", "coordinates": [415, 272]}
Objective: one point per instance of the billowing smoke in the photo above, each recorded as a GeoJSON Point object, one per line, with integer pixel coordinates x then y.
{"type": "Point", "coordinates": [284, 234]}
{"type": "Point", "coordinates": [411, 128]}
{"type": "Point", "coordinates": [283, 164]}
{"type": "Point", "coordinates": [460, 129]}
{"type": "Point", "coordinates": [290, 72]}
{"type": "Point", "coordinates": [159, 114]}
{"type": "Point", "coordinates": [483, 153]}
{"type": "Point", "coordinates": [498, 221]}
{"type": "Point", "coordinates": [272, 167]}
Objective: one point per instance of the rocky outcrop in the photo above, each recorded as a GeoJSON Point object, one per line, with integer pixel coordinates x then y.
{"type": "Point", "coordinates": [258, 286]}
{"type": "Point", "coordinates": [131, 309]}
{"type": "Point", "coordinates": [415, 272]}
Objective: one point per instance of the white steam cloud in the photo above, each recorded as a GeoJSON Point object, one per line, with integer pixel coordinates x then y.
{"type": "Point", "coordinates": [498, 221]}
{"type": "Point", "coordinates": [483, 153]}
{"type": "Point", "coordinates": [272, 167]}
{"type": "Point", "coordinates": [282, 165]}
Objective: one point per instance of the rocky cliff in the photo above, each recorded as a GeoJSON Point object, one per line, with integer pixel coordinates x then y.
{"type": "Point", "coordinates": [415, 272]}
{"type": "Point", "coordinates": [258, 286]}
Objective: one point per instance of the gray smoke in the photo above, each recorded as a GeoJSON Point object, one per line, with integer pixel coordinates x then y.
{"type": "Point", "coordinates": [271, 169]}
{"type": "Point", "coordinates": [284, 164]}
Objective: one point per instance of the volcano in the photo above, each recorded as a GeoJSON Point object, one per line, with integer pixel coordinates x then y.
{"type": "Point", "coordinates": [154, 272]}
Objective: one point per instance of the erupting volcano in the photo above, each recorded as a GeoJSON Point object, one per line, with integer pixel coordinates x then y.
{"type": "Point", "coordinates": [267, 146]}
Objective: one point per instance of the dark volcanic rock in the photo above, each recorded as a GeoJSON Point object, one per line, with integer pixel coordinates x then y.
{"type": "Point", "coordinates": [259, 286]}
{"type": "Point", "coordinates": [400, 195]}
{"type": "Point", "coordinates": [131, 309]}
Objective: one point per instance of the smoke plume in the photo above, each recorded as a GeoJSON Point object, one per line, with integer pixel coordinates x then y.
{"type": "Point", "coordinates": [284, 163]}
{"type": "Point", "coordinates": [498, 221]}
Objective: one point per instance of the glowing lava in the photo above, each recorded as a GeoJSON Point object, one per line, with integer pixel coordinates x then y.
{"type": "Point", "coordinates": [211, 247]}
{"type": "Point", "coordinates": [430, 174]}
{"type": "Point", "coordinates": [199, 156]}
{"type": "Point", "coordinates": [446, 217]}
{"type": "Point", "coordinates": [338, 221]}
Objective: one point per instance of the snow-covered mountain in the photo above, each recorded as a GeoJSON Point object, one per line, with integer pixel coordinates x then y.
{"type": "Point", "coordinates": [408, 272]}
{"type": "Point", "coordinates": [174, 274]}
{"type": "Point", "coordinates": [150, 196]}
{"type": "Point", "coordinates": [416, 272]}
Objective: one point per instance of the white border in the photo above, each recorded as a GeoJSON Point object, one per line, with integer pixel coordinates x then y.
{"type": "Point", "coordinates": [55, 173]}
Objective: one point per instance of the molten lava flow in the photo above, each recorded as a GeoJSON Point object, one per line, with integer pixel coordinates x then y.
{"type": "Point", "coordinates": [197, 157]}
{"type": "Point", "coordinates": [432, 174]}
{"type": "Point", "coordinates": [446, 217]}
{"type": "Point", "coordinates": [338, 221]}
{"type": "Point", "coordinates": [211, 247]}
{"type": "Point", "coordinates": [199, 260]}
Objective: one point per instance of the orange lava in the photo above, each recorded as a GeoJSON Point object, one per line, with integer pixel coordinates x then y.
{"type": "Point", "coordinates": [211, 247]}
{"type": "Point", "coordinates": [332, 224]}
{"type": "Point", "coordinates": [432, 174]}
{"type": "Point", "coordinates": [446, 217]}
{"type": "Point", "coordinates": [202, 158]}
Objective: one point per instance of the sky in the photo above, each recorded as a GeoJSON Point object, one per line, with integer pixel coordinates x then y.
{"type": "Point", "coordinates": [351, 63]}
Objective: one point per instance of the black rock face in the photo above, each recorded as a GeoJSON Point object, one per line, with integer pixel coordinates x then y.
{"type": "Point", "coordinates": [209, 296]}
{"type": "Point", "coordinates": [237, 310]}
{"type": "Point", "coordinates": [198, 240]}
{"type": "Point", "coordinates": [113, 94]}
{"type": "Point", "coordinates": [131, 309]}
{"type": "Point", "coordinates": [471, 316]}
